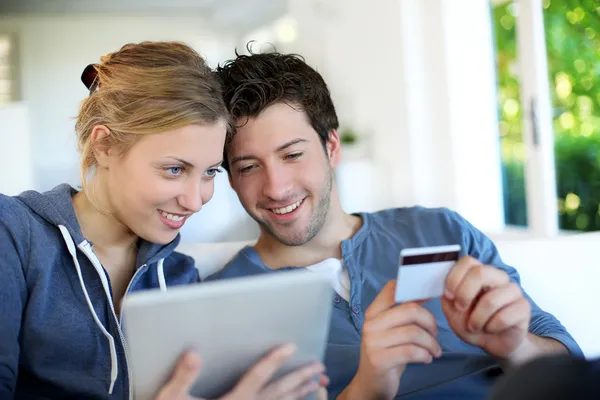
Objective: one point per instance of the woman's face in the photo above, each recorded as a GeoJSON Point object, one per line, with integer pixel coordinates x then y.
{"type": "Point", "coordinates": [163, 179]}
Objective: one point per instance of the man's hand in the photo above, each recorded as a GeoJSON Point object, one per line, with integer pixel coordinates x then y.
{"type": "Point", "coordinates": [255, 384]}
{"type": "Point", "coordinates": [485, 309]}
{"type": "Point", "coordinates": [393, 336]}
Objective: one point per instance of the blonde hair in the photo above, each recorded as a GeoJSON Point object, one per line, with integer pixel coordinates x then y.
{"type": "Point", "coordinates": [146, 88]}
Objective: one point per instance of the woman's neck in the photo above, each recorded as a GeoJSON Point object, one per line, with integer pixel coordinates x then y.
{"type": "Point", "coordinates": [113, 243]}
{"type": "Point", "coordinates": [101, 228]}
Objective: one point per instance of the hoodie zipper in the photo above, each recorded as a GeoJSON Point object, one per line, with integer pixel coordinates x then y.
{"type": "Point", "coordinates": [119, 322]}
{"type": "Point", "coordinates": [100, 269]}
{"type": "Point", "coordinates": [131, 282]}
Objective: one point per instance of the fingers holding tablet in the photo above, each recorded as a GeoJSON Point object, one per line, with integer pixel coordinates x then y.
{"type": "Point", "coordinates": [183, 378]}
{"type": "Point", "coordinates": [256, 383]}
{"type": "Point", "coordinates": [295, 385]}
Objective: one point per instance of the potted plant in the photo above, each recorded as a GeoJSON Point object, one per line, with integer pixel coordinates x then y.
{"type": "Point", "coordinates": [353, 146]}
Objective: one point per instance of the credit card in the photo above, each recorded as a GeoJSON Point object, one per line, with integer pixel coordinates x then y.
{"type": "Point", "coordinates": [423, 270]}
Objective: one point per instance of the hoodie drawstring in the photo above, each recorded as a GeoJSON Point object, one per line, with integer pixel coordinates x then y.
{"type": "Point", "coordinates": [114, 369]}
{"type": "Point", "coordinates": [87, 250]}
{"type": "Point", "coordinates": [161, 275]}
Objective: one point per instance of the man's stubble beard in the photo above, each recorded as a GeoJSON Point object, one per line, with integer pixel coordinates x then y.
{"type": "Point", "coordinates": [315, 224]}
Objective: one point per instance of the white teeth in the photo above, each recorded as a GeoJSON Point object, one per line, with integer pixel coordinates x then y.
{"type": "Point", "coordinates": [172, 217]}
{"type": "Point", "coordinates": [288, 209]}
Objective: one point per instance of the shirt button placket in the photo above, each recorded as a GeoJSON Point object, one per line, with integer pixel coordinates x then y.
{"type": "Point", "coordinates": [357, 317]}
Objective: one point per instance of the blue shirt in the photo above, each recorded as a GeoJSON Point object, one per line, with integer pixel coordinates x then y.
{"type": "Point", "coordinates": [371, 257]}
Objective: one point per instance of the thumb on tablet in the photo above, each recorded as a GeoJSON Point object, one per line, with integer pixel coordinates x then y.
{"type": "Point", "coordinates": [184, 376]}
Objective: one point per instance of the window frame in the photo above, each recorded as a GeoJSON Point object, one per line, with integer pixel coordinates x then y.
{"type": "Point", "coordinates": [538, 133]}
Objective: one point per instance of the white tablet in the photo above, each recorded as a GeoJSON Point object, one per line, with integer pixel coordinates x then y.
{"type": "Point", "coordinates": [231, 323]}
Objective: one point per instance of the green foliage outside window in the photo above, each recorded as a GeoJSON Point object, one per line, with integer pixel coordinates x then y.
{"type": "Point", "coordinates": [573, 49]}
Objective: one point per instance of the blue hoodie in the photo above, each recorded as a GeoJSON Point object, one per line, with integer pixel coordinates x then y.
{"type": "Point", "coordinates": [59, 334]}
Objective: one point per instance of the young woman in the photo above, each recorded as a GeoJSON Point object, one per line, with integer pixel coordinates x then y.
{"type": "Point", "coordinates": [151, 135]}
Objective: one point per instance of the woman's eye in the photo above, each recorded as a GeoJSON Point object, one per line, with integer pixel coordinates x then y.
{"type": "Point", "coordinates": [174, 171]}
{"type": "Point", "coordinates": [213, 172]}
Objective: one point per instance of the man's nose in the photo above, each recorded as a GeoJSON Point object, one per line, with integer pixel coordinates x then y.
{"type": "Point", "coordinates": [277, 183]}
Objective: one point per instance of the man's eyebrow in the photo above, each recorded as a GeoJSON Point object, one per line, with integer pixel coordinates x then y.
{"type": "Point", "coordinates": [280, 148]}
{"type": "Point", "coordinates": [241, 158]}
{"type": "Point", "coordinates": [291, 143]}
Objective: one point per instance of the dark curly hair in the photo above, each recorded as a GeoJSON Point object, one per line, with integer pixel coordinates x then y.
{"type": "Point", "coordinates": [251, 83]}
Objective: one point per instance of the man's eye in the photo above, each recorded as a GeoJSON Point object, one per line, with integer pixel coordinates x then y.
{"type": "Point", "coordinates": [293, 156]}
{"type": "Point", "coordinates": [247, 169]}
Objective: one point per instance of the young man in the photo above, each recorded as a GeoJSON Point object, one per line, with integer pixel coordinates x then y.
{"type": "Point", "coordinates": [280, 162]}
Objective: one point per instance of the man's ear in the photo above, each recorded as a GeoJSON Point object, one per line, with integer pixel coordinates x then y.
{"type": "Point", "coordinates": [99, 144]}
{"type": "Point", "coordinates": [334, 148]}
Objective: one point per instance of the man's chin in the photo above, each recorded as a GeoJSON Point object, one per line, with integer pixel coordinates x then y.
{"type": "Point", "coordinates": [295, 238]}
{"type": "Point", "coordinates": [292, 242]}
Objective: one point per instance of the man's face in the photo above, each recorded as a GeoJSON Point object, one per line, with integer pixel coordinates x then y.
{"type": "Point", "coordinates": [282, 174]}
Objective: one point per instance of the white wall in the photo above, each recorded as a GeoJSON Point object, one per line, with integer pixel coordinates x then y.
{"type": "Point", "coordinates": [16, 158]}
{"type": "Point", "coordinates": [474, 152]}
{"type": "Point", "coordinates": [417, 78]}
{"type": "Point", "coordinates": [53, 52]}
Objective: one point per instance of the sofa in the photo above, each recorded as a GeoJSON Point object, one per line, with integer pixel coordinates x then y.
{"type": "Point", "coordinates": [561, 274]}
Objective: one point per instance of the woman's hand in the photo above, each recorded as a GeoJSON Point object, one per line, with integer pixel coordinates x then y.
{"type": "Point", "coordinates": [255, 383]}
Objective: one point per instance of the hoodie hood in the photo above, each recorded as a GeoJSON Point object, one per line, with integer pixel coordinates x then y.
{"type": "Point", "coordinates": [56, 207]}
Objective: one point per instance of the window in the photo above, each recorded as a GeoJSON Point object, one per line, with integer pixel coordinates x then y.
{"type": "Point", "coordinates": [8, 79]}
{"type": "Point", "coordinates": [510, 112]}
{"type": "Point", "coordinates": [549, 106]}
